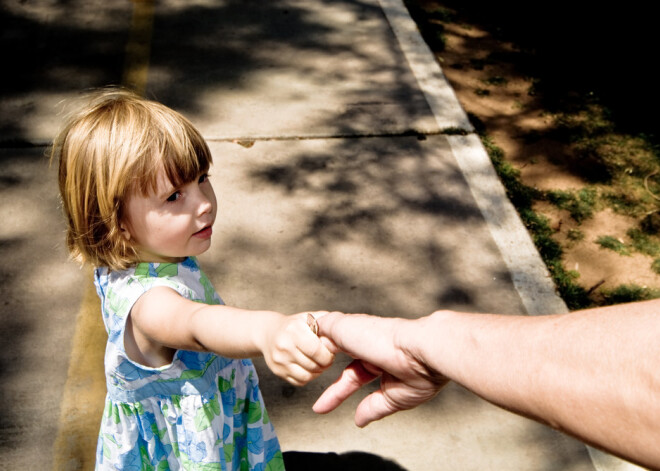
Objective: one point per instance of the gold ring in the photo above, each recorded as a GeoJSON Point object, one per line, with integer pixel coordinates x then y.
{"type": "Point", "coordinates": [311, 322]}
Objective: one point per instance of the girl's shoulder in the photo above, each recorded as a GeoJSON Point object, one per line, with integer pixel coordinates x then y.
{"type": "Point", "coordinates": [184, 277]}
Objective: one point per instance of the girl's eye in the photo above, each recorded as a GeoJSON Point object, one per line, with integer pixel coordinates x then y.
{"type": "Point", "coordinates": [203, 178]}
{"type": "Point", "coordinates": [174, 196]}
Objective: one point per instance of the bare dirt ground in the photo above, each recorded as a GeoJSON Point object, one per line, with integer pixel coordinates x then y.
{"type": "Point", "coordinates": [493, 90]}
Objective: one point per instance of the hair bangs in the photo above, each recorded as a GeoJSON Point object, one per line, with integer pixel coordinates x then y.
{"type": "Point", "coordinates": [178, 149]}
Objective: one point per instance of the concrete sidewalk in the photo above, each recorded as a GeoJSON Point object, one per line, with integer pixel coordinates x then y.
{"type": "Point", "coordinates": [348, 178]}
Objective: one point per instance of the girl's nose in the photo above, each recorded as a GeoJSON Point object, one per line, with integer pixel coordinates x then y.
{"type": "Point", "coordinates": [205, 201]}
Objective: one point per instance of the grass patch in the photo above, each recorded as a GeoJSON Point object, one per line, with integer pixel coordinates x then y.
{"type": "Point", "coordinates": [522, 197]}
{"type": "Point", "coordinates": [640, 242]}
{"type": "Point", "coordinates": [643, 243]}
{"type": "Point", "coordinates": [622, 201]}
{"type": "Point", "coordinates": [496, 81]}
{"type": "Point", "coordinates": [579, 204]}
{"type": "Point", "coordinates": [575, 235]}
{"type": "Point", "coordinates": [628, 294]}
{"type": "Point", "coordinates": [612, 243]}
{"type": "Point", "coordinates": [481, 91]}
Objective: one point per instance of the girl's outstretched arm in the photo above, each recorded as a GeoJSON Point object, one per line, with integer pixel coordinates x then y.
{"type": "Point", "coordinates": [162, 321]}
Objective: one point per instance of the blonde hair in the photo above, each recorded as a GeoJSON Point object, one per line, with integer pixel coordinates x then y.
{"type": "Point", "coordinates": [117, 144]}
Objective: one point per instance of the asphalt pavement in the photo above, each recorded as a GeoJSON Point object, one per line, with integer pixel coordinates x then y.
{"type": "Point", "coordinates": [348, 178]}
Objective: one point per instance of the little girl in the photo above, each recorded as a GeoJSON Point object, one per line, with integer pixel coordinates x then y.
{"type": "Point", "coordinates": [182, 393]}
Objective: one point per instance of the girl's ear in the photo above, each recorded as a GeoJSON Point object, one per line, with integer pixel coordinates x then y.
{"type": "Point", "coordinates": [124, 231]}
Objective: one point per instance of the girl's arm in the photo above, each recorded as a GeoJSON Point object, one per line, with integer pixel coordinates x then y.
{"type": "Point", "coordinates": [162, 321]}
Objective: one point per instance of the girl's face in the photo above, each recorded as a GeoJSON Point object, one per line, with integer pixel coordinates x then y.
{"type": "Point", "coordinates": [171, 224]}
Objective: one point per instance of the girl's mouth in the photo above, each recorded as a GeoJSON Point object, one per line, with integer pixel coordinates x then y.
{"type": "Point", "coordinates": [204, 233]}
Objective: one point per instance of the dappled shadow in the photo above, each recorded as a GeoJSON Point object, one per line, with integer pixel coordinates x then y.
{"type": "Point", "coordinates": [371, 225]}
{"type": "Point", "coordinates": [394, 172]}
{"type": "Point", "coordinates": [398, 206]}
{"type": "Point", "coordinates": [285, 68]}
{"type": "Point", "coordinates": [234, 68]}
{"type": "Point", "coordinates": [39, 300]}
{"type": "Point", "coordinates": [51, 52]}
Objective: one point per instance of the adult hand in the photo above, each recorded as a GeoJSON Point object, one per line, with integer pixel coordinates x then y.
{"type": "Point", "coordinates": [381, 347]}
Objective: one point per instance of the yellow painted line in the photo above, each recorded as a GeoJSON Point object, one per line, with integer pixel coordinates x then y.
{"type": "Point", "coordinates": [138, 48]}
{"type": "Point", "coordinates": [84, 390]}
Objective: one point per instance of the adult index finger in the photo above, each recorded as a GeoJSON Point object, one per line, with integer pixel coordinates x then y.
{"type": "Point", "coordinates": [362, 336]}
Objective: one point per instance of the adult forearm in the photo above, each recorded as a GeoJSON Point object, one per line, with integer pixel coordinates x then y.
{"type": "Point", "coordinates": [593, 374]}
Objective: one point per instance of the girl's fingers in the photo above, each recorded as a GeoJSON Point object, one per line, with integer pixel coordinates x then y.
{"type": "Point", "coordinates": [307, 363]}
{"type": "Point", "coordinates": [315, 348]}
{"type": "Point", "coordinates": [299, 376]}
{"type": "Point", "coordinates": [321, 355]}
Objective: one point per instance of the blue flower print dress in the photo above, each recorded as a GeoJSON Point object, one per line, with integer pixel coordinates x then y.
{"type": "Point", "coordinates": [201, 412]}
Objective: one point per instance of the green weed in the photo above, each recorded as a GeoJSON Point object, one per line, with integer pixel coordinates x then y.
{"type": "Point", "coordinates": [629, 293]}
{"type": "Point", "coordinates": [496, 80]}
{"type": "Point", "coordinates": [622, 201]}
{"type": "Point", "coordinates": [580, 204]}
{"type": "Point", "coordinates": [655, 266]}
{"type": "Point", "coordinates": [643, 243]}
{"type": "Point", "coordinates": [612, 243]}
{"type": "Point", "coordinates": [575, 235]}
{"type": "Point", "coordinates": [522, 197]}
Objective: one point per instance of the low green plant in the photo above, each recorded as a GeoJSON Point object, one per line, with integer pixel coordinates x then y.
{"type": "Point", "coordinates": [580, 204]}
{"type": "Point", "coordinates": [655, 266]}
{"type": "Point", "coordinates": [522, 197]}
{"type": "Point", "coordinates": [629, 293]}
{"type": "Point", "coordinates": [623, 201]}
{"type": "Point", "coordinates": [643, 243]}
{"type": "Point", "coordinates": [496, 80]}
{"type": "Point", "coordinates": [481, 92]}
{"type": "Point", "coordinates": [575, 235]}
{"type": "Point", "coordinates": [612, 243]}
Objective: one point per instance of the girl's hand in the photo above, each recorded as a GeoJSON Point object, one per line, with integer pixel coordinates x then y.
{"type": "Point", "coordinates": [293, 351]}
